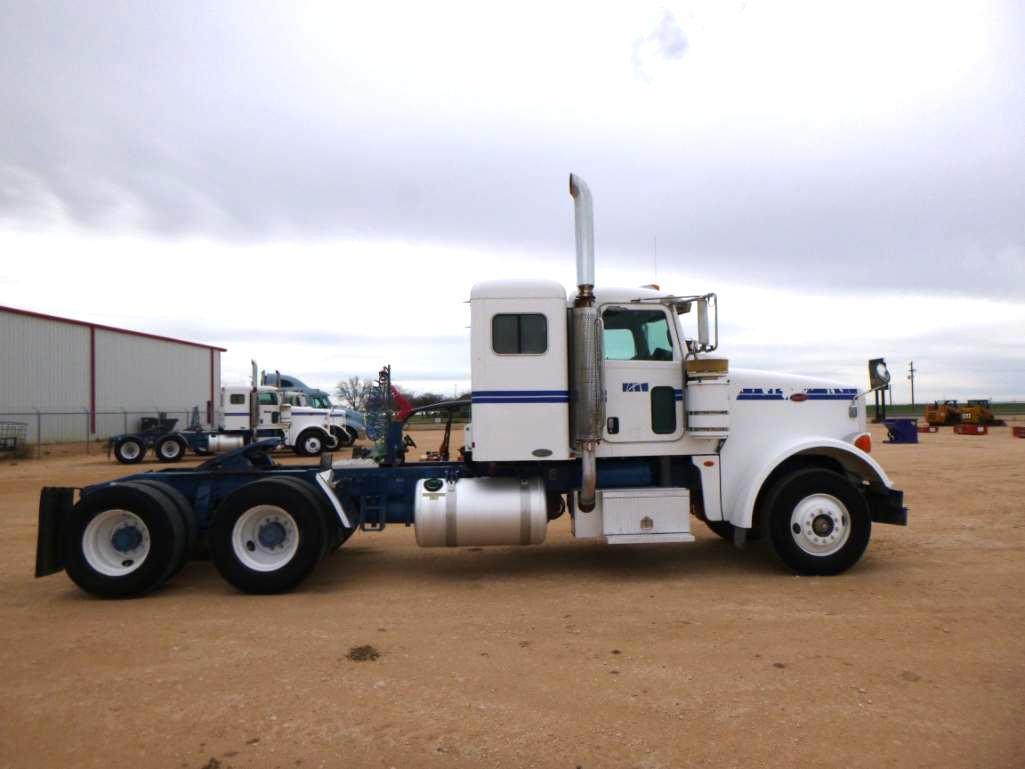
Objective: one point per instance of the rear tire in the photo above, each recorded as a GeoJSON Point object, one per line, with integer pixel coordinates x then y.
{"type": "Point", "coordinates": [123, 541]}
{"type": "Point", "coordinates": [129, 451]}
{"type": "Point", "coordinates": [188, 516]}
{"type": "Point", "coordinates": [170, 448]}
{"type": "Point", "coordinates": [817, 521]}
{"type": "Point", "coordinates": [267, 536]}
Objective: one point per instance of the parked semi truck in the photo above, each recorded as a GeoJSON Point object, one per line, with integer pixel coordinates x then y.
{"type": "Point", "coordinates": [248, 414]}
{"type": "Point", "coordinates": [347, 425]}
{"type": "Point", "coordinates": [599, 405]}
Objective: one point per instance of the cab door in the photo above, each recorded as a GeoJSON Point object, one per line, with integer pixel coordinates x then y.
{"type": "Point", "coordinates": [643, 375]}
{"type": "Point", "coordinates": [270, 412]}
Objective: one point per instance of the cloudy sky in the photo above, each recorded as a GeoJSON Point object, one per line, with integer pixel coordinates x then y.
{"type": "Point", "coordinates": [318, 185]}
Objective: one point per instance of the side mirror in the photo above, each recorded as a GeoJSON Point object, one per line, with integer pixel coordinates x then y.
{"type": "Point", "coordinates": [703, 323]}
{"type": "Point", "coordinates": [682, 308]}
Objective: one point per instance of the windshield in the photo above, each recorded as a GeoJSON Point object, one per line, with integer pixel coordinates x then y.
{"type": "Point", "coordinates": [319, 401]}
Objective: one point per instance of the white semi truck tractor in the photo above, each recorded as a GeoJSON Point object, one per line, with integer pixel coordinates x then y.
{"type": "Point", "coordinates": [248, 413]}
{"type": "Point", "coordinates": [596, 403]}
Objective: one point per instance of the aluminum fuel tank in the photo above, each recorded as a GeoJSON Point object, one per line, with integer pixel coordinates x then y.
{"type": "Point", "coordinates": [480, 511]}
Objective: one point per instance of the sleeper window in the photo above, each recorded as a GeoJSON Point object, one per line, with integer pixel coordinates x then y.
{"type": "Point", "coordinates": [519, 334]}
{"type": "Point", "coordinates": [237, 399]}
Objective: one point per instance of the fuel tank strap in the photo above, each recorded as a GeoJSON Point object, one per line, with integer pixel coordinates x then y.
{"type": "Point", "coordinates": [450, 517]}
{"type": "Point", "coordinates": [524, 512]}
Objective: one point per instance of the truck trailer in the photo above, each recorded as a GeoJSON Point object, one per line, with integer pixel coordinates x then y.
{"type": "Point", "coordinates": [596, 404]}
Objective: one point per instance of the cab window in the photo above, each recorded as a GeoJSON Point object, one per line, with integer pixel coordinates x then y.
{"type": "Point", "coordinates": [268, 399]}
{"type": "Point", "coordinates": [636, 335]}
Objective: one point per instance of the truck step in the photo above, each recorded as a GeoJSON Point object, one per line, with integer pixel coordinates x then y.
{"type": "Point", "coordinates": [373, 514]}
{"type": "Point", "coordinates": [641, 539]}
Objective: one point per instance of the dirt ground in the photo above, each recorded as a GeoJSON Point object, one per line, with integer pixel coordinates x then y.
{"type": "Point", "coordinates": [570, 654]}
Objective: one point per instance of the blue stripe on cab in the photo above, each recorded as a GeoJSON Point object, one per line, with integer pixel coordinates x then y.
{"type": "Point", "coordinates": [475, 393]}
{"type": "Point", "coordinates": [553, 399]}
{"type": "Point", "coordinates": [519, 396]}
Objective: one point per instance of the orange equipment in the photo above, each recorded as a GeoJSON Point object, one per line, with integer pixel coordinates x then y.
{"type": "Point", "coordinates": [945, 413]}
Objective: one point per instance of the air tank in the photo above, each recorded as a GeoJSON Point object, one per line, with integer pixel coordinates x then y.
{"type": "Point", "coordinates": [480, 511]}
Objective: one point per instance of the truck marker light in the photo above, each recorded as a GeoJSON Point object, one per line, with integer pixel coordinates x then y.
{"type": "Point", "coordinates": [799, 397]}
{"type": "Point", "coordinates": [864, 442]}
{"type": "Point", "coordinates": [708, 463]}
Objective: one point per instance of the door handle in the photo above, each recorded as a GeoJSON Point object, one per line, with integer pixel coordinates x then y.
{"type": "Point", "coordinates": [612, 425]}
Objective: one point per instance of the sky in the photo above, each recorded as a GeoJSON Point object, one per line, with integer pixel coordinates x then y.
{"type": "Point", "coordinates": [318, 185]}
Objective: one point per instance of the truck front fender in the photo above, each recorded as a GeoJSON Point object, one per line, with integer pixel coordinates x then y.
{"type": "Point", "coordinates": [852, 459]}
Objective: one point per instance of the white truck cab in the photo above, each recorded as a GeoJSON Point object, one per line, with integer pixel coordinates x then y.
{"type": "Point", "coordinates": [607, 374]}
{"type": "Point", "coordinates": [308, 432]}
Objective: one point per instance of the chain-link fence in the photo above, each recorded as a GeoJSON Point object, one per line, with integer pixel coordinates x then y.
{"type": "Point", "coordinates": [39, 427]}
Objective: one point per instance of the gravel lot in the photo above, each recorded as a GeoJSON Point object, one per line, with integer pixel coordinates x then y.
{"type": "Point", "coordinates": [568, 654]}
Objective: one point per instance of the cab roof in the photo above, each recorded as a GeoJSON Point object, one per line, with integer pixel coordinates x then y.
{"type": "Point", "coordinates": [518, 289]}
{"type": "Point", "coordinates": [549, 289]}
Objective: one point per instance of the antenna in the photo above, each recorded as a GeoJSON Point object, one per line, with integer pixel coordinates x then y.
{"type": "Point", "coordinates": [654, 257]}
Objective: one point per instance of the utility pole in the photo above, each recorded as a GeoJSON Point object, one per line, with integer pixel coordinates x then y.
{"type": "Point", "coordinates": [911, 376]}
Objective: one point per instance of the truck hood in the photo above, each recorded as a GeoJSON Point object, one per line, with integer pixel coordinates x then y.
{"type": "Point", "coordinates": [755, 379]}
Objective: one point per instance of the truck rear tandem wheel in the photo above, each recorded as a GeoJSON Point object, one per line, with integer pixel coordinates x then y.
{"type": "Point", "coordinates": [129, 450]}
{"type": "Point", "coordinates": [268, 535]}
{"type": "Point", "coordinates": [170, 448]}
{"type": "Point", "coordinates": [124, 540]}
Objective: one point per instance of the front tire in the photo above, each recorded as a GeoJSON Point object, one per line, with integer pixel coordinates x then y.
{"type": "Point", "coordinates": [310, 443]}
{"type": "Point", "coordinates": [267, 536]}
{"type": "Point", "coordinates": [817, 521]}
{"type": "Point", "coordinates": [343, 437]}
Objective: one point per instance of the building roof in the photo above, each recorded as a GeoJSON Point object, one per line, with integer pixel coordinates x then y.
{"type": "Point", "coordinates": [72, 321]}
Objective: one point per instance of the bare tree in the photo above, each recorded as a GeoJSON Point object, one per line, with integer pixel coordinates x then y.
{"type": "Point", "coordinates": [353, 392]}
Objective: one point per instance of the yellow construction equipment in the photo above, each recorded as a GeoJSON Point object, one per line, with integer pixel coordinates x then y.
{"type": "Point", "coordinates": [939, 414]}
{"type": "Point", "coordinates": [979, 412]}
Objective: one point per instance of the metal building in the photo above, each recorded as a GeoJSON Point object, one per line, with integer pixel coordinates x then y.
{"type": "Point", "coordinates": [71, 379]}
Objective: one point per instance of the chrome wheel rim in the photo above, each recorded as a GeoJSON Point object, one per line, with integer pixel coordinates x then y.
{"type": "Point", "coordinates": [170, 449]}
{"type": "Point", "coordinates": [820, 524]}
{"type": "Point", "coordinates": [130, 450]}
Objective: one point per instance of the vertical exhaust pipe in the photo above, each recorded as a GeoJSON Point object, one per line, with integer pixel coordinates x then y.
{"type": "Point", "coordinates": [583, 210]}
{"type": "Point", "coordinates": [588, 393]}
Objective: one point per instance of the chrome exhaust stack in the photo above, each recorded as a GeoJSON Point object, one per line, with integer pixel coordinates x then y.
{"type": "Point", "coordinates": [588, 387]}
{"type": "Point", "coordinates": [583, 210]}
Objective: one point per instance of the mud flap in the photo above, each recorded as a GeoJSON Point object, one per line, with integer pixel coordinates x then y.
{"type": "Point", "coordinates": [55, 504]}
{"type": "Point", "coordinates": [887, 506]}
